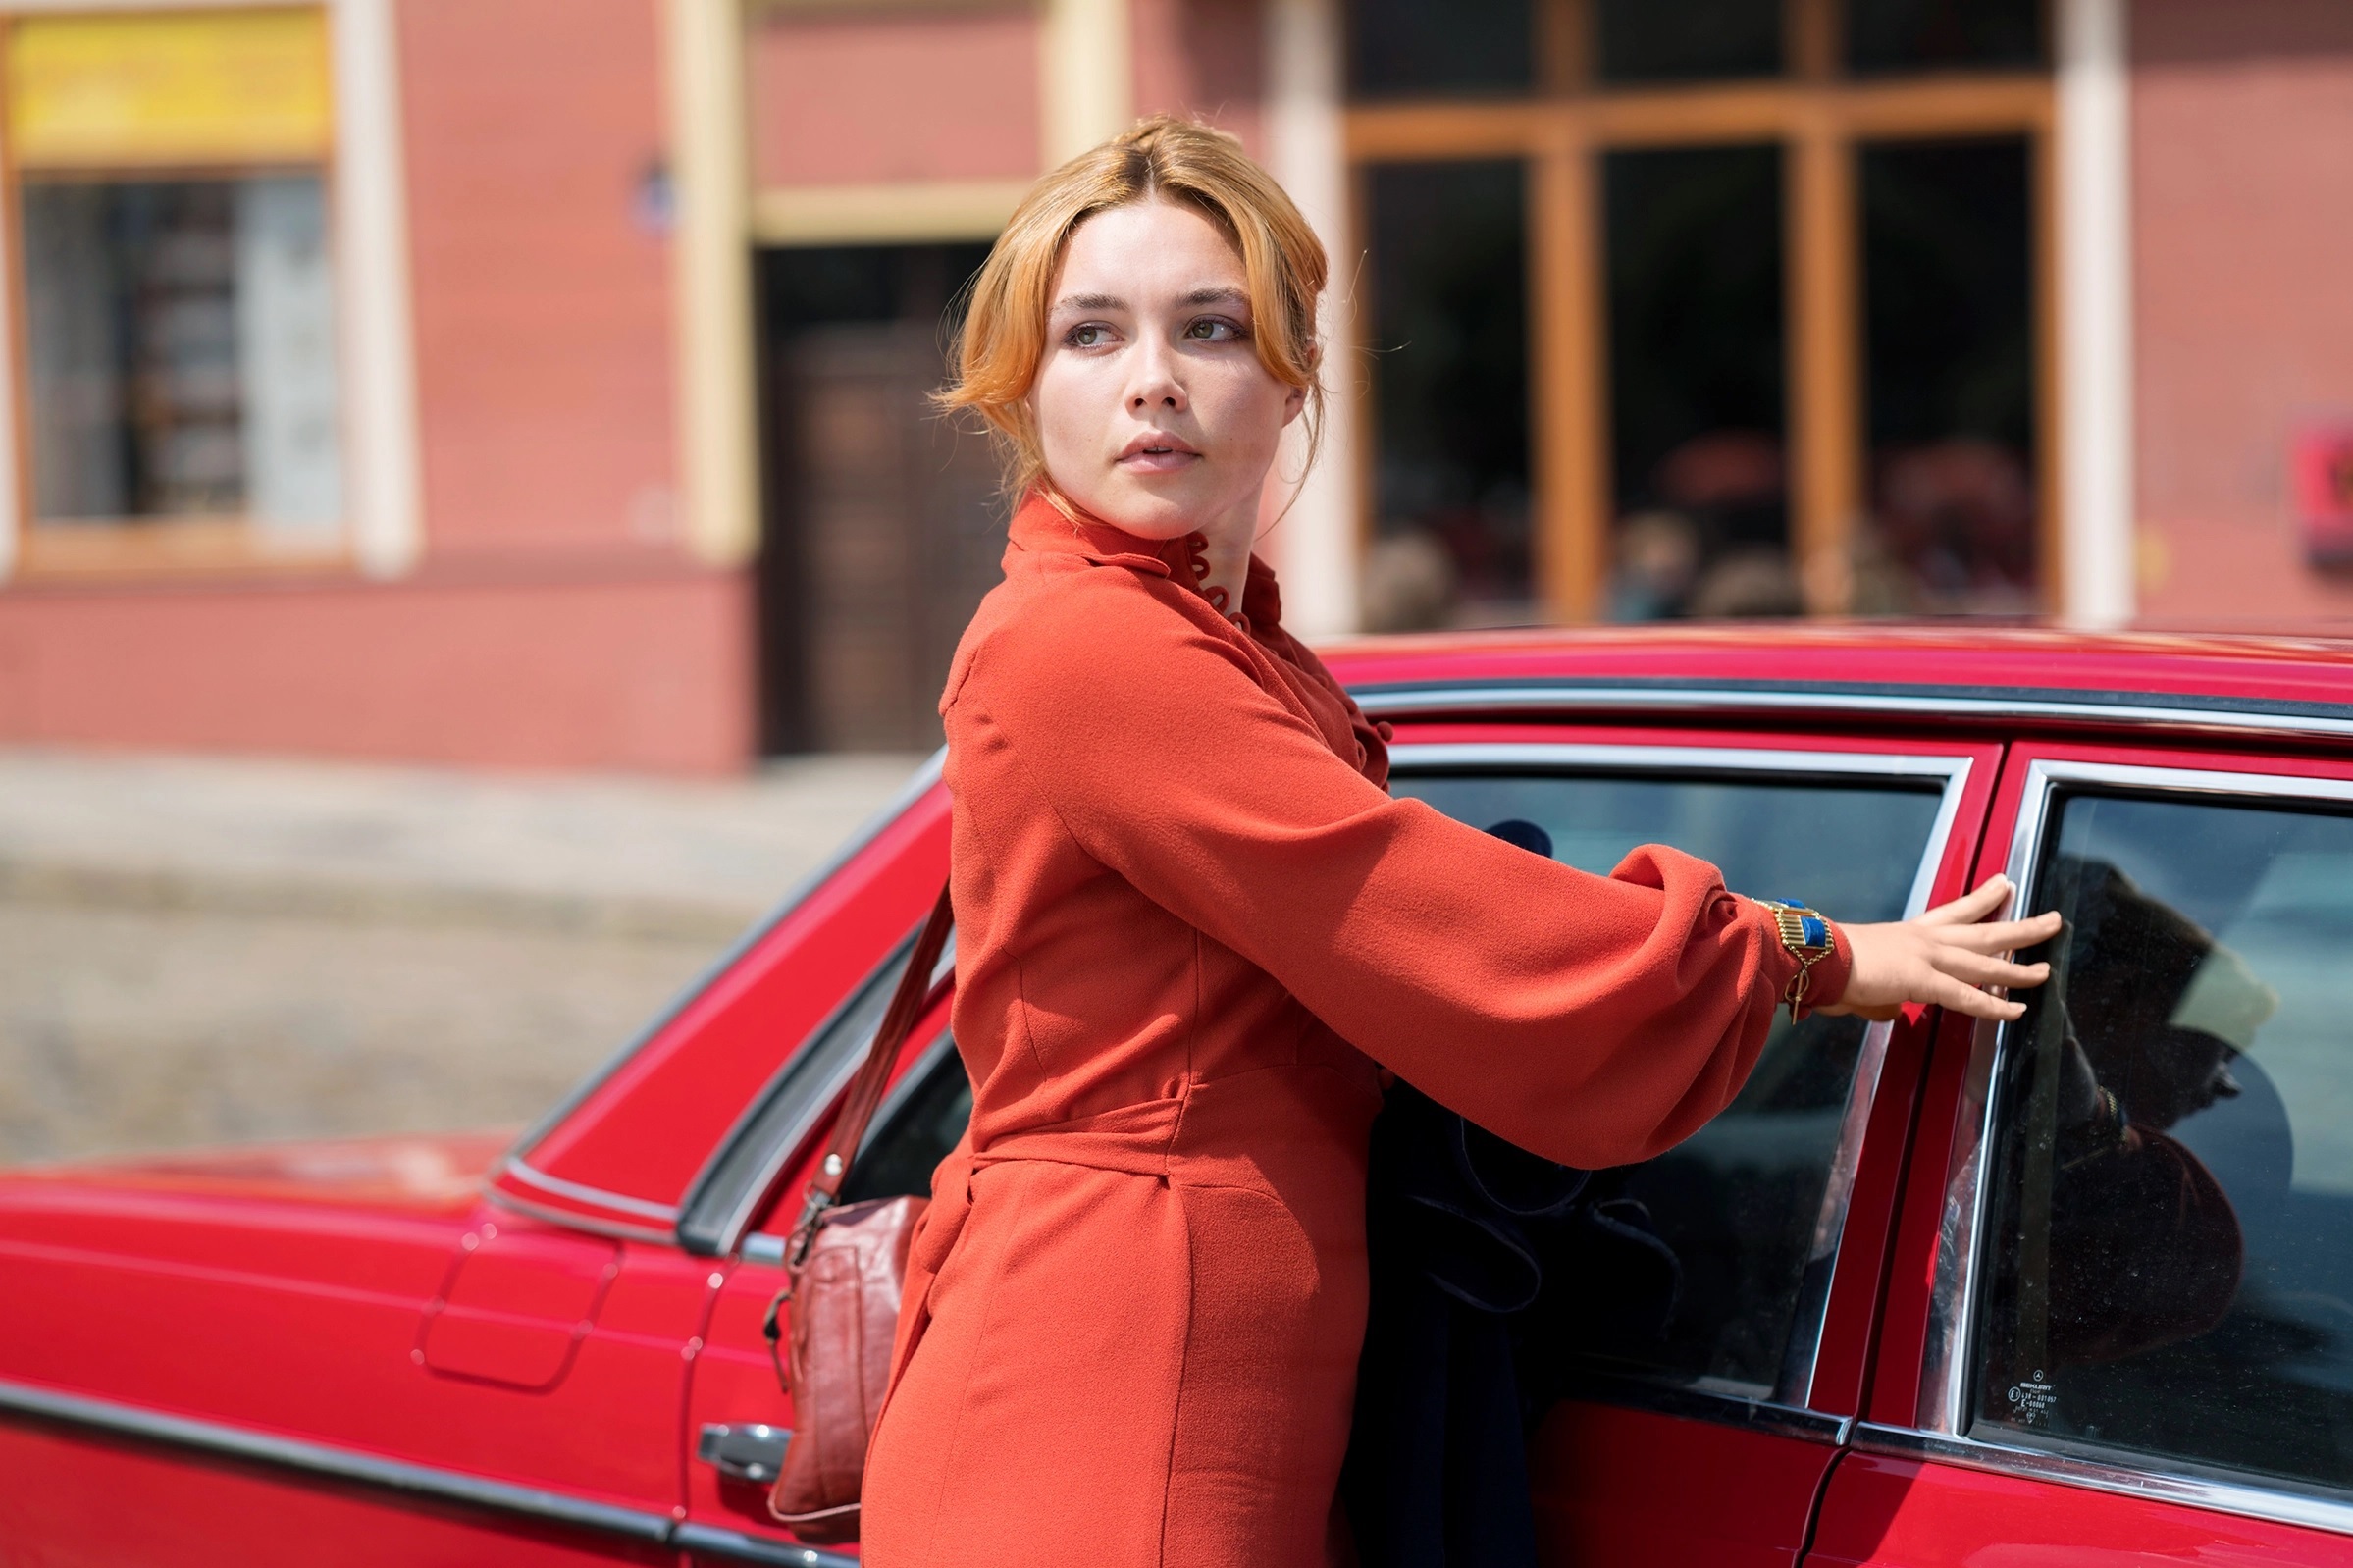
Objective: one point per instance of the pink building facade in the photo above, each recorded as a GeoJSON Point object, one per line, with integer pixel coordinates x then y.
{"type": "Point", "coordinates": [607, 329]}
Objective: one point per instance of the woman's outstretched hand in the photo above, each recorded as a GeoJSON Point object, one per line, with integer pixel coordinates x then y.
{"type": "Point", "coordinates": [1944, 957]}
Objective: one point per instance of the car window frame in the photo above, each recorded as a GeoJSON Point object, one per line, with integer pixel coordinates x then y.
{"type": "Point", "coordinates": [1792, 1406]}
{"type": "Point", "coordinates": [1960, 1280]}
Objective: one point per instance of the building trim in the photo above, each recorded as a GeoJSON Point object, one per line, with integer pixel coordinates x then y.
{"type": "Point", "coordinates": [380, 460]}
{"type": "Point", "coordinates": [907, 213]}
{"type": "Point", "coordinates": [1315, 544]}
{"type": "Point", "coordinates": [711, 277]}
{"type": "Point", "coordinates": [2093, 217]}
{"type": "Point", "coordinates": [1086, 75]}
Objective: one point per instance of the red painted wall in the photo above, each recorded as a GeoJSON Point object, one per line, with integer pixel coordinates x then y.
{"type": "Point", "coordinates": [541, 293]}
{"type": "Point", "coordinates": [644, 674]}
{"type": "Point", "coordinates": [840, 99]}
{"type": "Point", "coordinates": [2242, 150]}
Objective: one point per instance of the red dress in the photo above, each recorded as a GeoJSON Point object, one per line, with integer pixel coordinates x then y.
{"type": "Point", "coordinates": [1189, 921]}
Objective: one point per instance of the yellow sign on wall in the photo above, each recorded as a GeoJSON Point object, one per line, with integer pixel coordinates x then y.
{"type": "Point", "coordinates": [177, 88]}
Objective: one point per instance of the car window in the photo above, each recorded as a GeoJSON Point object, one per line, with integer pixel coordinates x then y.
{"type": "Point", "coordinates": [2170, 1199]}
{"type": "Point", "coordinates": [1740, 1203]}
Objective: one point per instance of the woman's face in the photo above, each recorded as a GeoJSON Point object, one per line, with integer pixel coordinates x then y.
{"type": "Point", "coordinates": [1152, 408]}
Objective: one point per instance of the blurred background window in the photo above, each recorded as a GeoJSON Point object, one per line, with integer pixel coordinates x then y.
{"type": "Point", "coordinates": [1770, 266]}
{"type": "Point", "coordinates": [1948, 266]}
{"type": "Point", "coordinates": [1451, 379]}
{"type": "Point", "coordinates": [1889, 35]}
{"type": "Point", "coordinates": [1411, 48]}
{"type": "Point", "coordinates": [1687, 40]}
{"type": "Point", "coordinates": [178, 324]}
{"type": "Point", "coordinates": [1695, 355]}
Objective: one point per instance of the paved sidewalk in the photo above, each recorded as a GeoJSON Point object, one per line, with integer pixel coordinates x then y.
{"type": "Point", "coordinates": [198, 950]}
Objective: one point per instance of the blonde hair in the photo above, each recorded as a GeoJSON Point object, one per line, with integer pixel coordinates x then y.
{"type": "Point", "coordinates": [1003, 340]}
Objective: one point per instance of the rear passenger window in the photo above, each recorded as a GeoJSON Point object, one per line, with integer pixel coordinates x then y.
{"type": "Point", "coordinates": [2170, 1207]}
{"type": "Point", "coordinates": [1748, 1205]}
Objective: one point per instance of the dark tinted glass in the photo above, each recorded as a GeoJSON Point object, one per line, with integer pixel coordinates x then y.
{"type": "Point", "coordinates": [1682, 40]}
{"type": "Point", "coordinates": [1740, 1203]}
{"type": "Point", "coordinates": [2171, 1213]}
{"type": "Point", "coordinates": [1949, 329]}
{"type": "Point", "coordinates": [913, 1130]}
{"type": "Point", "coordinates": [1695, 375]}
{"type": "Point", "coordinates": [1412, 48]}
{"type": "Point", "coordinates": [1450, 384]}
{"type": "Point", "coordinates": [1885, 35]}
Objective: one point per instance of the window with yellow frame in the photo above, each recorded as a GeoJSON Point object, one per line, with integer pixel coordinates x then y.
{"type": "Point", "coordinates": [1718, 308]}
{"type": "Point", "coordinates": [175, 312]}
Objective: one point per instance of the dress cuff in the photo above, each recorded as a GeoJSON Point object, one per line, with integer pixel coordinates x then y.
{"type": "Point", "coordinates": [1831, 971]}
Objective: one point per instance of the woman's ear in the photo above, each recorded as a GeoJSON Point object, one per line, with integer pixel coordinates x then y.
{"type": "Point", "coordinates": [1293, 404]}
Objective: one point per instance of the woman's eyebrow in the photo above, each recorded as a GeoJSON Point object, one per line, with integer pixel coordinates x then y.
{"type": "Point", "coordinates": [1090, 302]}
{"type": "Point", "coordinates": [1218, 294]}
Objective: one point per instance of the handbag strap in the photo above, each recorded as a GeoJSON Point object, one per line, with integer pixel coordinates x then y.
{"type": "Point", "coordinates": [873, 1076]}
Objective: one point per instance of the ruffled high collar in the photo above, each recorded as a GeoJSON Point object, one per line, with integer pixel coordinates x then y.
{"type": "Point", "coordinates": [1038, 525]}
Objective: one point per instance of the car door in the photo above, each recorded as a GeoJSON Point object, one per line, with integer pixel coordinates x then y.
{"type": "Point", "coordinates": [1755, 1376]}
{"type": "Point", "coordinates": [1704, 1437]}
{"type": "Point", "coordinates": [2133, 1336]}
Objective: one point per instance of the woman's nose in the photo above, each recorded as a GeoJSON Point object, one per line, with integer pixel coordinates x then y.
{"type": "Point", "coordinates": [1156, 385]}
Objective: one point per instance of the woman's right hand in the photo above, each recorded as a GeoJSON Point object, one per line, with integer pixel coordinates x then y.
{"type": "Point", "coordinates": [1944, 957]}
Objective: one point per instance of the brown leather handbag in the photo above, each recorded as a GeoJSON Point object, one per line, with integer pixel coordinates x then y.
{"type": "Point", "coordinates": [845, 1270]}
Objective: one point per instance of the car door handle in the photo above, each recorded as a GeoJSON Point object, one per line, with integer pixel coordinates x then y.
{"type": "Point", "coordinates": [750, 1452]}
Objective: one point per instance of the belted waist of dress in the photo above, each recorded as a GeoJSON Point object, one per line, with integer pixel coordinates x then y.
{"type": "Point", "coordinates": [1133, 1138]}
{"type": "Point", "coordinates": [1220, 1132]}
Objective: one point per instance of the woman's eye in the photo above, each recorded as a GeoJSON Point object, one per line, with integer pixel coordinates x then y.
{"type": "Point", "coordinates": [1210, 330]}
{"type": "Point", "coordinates": [1088, 336]}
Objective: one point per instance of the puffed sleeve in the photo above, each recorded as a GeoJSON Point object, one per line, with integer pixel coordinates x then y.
{"type": "Point", "coordinates": [1595, 1021]}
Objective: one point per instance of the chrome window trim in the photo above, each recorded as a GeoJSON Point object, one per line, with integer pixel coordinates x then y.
{"type": "Point", "coordinates": [310, 1457]}
{"type": "Point", "coordinates": [1794, 1388]}
{"type": "Point", "coordinates": [2222, 715]}
{"type": "Point", "coordinates": [2183, 1488]}
{"type": "Point", "coordinates": [917, 785]}
{"type": "Point", "coordinates": [531, 1175]}
{"type": "Point", "coordinates": [1954, 1301]}
{"type": "Point", "coordinates": [574, 1219]}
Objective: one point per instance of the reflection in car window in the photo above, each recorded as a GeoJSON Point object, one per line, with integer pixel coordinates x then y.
{"type": "Point", "coordinates": [1739, 1202]}
{"type": "Point", "coordinates": [2171, 1198]}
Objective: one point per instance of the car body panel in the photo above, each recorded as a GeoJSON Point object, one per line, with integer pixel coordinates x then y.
{"type": "Point", "coordinates": [1617, 1485]}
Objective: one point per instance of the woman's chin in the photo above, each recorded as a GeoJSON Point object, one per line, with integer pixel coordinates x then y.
{"type": "Point", "coordinates": [1149, 510]}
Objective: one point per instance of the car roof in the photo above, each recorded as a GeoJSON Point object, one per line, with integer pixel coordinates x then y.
{"type": "Point", "coordinates": [2274, 682]}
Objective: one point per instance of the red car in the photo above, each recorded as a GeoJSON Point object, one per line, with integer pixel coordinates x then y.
{"type": "Point", "coordinates": [2076, 1289]}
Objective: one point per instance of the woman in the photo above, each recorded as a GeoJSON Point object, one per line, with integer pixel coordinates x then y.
{"type": "Point", "coordinates": [1192, 928]}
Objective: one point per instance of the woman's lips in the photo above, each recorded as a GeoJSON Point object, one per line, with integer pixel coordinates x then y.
{"type": "Point", "coordinates": [1157, 455]}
